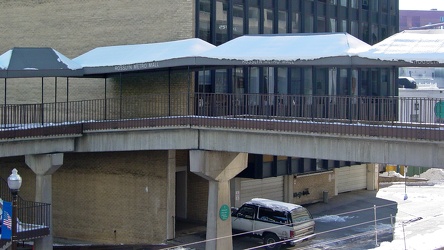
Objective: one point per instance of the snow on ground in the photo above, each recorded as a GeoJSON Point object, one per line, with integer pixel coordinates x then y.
{"type": "Point", "coordinates": [420, 218]}
{"type": "Point", "coordinates": [332, 218]}
{"type": "Point", "coordinates": [392, 174]}
{"type": "Point", "coordinates": [433, 174]}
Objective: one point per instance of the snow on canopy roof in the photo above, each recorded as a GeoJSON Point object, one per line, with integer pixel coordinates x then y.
{"type": "Point", "coordinates": [286, 49]}
{"type": "Point", "coordinates": [113, 59]}
{"type": "Point", "coordinates": [36, 62]}
{"type": "Point", "coordinates": [420, 48]}
{"type": "Point", "coordinates": [275, 205]}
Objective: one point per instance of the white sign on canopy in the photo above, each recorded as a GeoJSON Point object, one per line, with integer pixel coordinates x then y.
{"type": "Point", "coordinates": [140, 57]}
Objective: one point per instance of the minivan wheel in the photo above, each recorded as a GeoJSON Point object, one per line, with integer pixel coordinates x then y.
{"type": "Point", "coordinates": [270, 239]}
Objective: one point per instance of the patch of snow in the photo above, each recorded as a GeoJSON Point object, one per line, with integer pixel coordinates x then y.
{"type": "Point", "coordinates": [333, 218]}
{"type": "Point", "coordinates": [4, 59]}
{"type": "Point", "coordinates": [433, 174]}
{"type": "Point", "coordinates": [275, 205]}
{"type": "Point", "coordinates": [391, 174]}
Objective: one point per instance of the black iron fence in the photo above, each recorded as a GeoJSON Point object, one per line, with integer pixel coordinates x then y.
{"type": "Point", "coordinates": [33, 218]}
{"type": "Point", "coordinates": [411, 118]}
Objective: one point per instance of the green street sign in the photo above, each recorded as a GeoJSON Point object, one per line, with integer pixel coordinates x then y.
{"type": "Point", "coordinates": [224, 212]}
{"type": "Point", "coordinates": [439, 109]}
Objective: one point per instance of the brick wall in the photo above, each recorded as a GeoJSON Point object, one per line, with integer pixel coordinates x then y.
{"type": "Point", "coordinates": [113, 197]}
{"type": "Point", "coordinates": [316, 184]}
{"type": "Point", "coordinates": [75, 27]}
{"type": "Point", "coordinates": [120, 195]}
{"type": "Point", "coordinates": [197, 198]}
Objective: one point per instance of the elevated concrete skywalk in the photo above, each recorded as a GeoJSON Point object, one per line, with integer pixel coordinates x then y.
{"type": "Point", "coordinates": [383, 150]}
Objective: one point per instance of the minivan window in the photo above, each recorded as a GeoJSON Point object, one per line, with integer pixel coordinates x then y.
{"type": "Point", "coordinates": [275, 216]}
{"type": "Point", "coordinates": [300, 214]}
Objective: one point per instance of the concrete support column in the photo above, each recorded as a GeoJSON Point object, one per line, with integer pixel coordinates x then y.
{"type": "Point", "coordinates": [218, 196]}
{"type": "Point", "coordinates": [288, 188]}
{"type": "Point", "coordinates": [372, 176]}
{"type": "Point", "coordinates": [218, 168]}
{"type": "Point", "coordinates": [44, 166]}
{"type": "Point", "coordinates": [171, 194]}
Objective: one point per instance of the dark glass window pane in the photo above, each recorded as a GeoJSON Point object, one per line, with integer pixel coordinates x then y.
{"type": "Point", "coordinates": [238, 81]}
{"type": "Point", "coordinates": [332, 25]}
{"type": "Point", "coordinates": [282, 17]}
{"type": "Point", "coordinates": [268, 17]}
{"type": "Point", "coordinates": [308, 24]}
{"type": "Point", "coordinates": [253, 17]}
{"type": "Point", "coordinates": [332, 81]}
{"type": "Point", "coordinates": [365, 73]}
{"type": "Point", "coordinates": [374, 5]}
{"type": "Point", "coordinates": [321, 81]}
{"type": "Point", "coordinates": [282, 81]}
{"type": "Point", "coordinates": [343, 26]}
{"type": "Point", "coordinates": [384, 82]}
{"type": "Point", "coordinates": [204, 20]}
{"type": "Point", "coordinates": [204, 81]}
{"type": "Point", "coordinates": [374, 38]}
{"type": "Point", "coordinates": [296, 81]}
{"type": "Point", "coordinates": [365, 32]}
{"type": "Point", "coordinates": [238, 18]}
{"type": "Point", "coordinates": [343, 79]}
{"type": "Point", "coordinates": [354, 29]}
{"type": "Point", "coordinates": [354, 4]}
{"type": "Point", "coordinates": [308, 81]}
{"type": "Point", "coordinates": [384, 6]}
{"type": "Point", "coordinates": [221, 22]}
{"type": "Point", "coordinates": [220, 85]}
{"type": "Point", "coordinates": [321, 27]}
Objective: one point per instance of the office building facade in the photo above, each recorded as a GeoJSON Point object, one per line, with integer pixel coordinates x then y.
{"type": "Point", "coordinates": [93, 191]}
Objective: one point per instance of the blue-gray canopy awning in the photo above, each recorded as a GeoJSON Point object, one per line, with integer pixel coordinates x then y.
{"type": "Point", "coordinates": [142, 57]}
{"type": "Point", "coordinates": [25, 62]}
{"type": "Point", "coordinates": [302, 49]}
{"type": "Point", "coordinates": [409, 48]}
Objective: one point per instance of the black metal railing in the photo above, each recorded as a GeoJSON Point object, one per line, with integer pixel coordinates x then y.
{"type": "Point", "coordinates": [400, 117]}
{"type": "Point", "coordinates": [33, 217]}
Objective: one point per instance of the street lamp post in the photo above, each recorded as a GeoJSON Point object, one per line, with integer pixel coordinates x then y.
{"type": "Point", "coordinates": [14, 183]}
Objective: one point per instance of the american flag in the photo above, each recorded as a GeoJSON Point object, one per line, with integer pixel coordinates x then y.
{"type": "Point", "coordinates": [8, 221]}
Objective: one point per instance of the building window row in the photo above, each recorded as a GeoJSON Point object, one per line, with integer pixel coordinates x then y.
{"type": "Point", "coordinates": [371, 21]}
{"type": "Point", "coordinates": [221, 20]}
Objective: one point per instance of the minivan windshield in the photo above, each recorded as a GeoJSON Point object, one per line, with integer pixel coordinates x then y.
{"type": "Point", "coordinates": [300, 214]}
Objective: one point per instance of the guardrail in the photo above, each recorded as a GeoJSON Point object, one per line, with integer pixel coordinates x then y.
{"type": "Point", "coordinates": [409, 118]}
{"type": "Point", "coordinates": [33, 217]}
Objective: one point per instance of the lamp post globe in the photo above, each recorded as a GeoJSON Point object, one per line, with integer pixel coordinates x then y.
{"type": "Point", "coordinates": [14, 183]}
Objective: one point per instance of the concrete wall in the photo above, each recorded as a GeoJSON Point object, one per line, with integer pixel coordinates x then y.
{"type": "Point", "coordinates": [316, 185]}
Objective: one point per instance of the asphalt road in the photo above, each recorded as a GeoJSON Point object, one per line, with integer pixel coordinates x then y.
{"type": "Point", "coordinates": [356, 220]}
{"type": "Point", "coordinates": [347, 221]}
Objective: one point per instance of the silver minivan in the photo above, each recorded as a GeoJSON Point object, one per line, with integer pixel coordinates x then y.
{"type": "Point", "coordinates": [275, 221]}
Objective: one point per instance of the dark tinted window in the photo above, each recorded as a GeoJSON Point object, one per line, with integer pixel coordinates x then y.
{"type": "Point", "coordinates": [247, 212]}
{"type": "Point", "coordinates": [269, 215]}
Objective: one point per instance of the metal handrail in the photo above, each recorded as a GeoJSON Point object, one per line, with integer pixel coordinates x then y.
{"type": "Point", "coordinates": [33, 217]}
{"type": "Point", "coordinates": [363, 115]}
